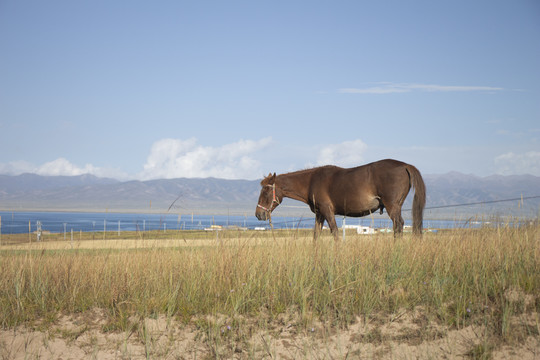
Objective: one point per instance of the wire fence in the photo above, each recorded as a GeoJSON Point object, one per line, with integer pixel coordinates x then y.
{"type": "Point", "coordinates": [66, 223]}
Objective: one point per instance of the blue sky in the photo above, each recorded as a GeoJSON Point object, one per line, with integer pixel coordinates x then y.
{"type": "Point", "coordinates": [236, 89]}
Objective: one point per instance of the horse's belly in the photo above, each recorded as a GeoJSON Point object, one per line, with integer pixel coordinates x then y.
{"type": "Point", "coordinates": [360, 207]}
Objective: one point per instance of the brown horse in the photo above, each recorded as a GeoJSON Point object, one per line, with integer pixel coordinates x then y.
{"type": "Point", "coordinates": [359, 191]}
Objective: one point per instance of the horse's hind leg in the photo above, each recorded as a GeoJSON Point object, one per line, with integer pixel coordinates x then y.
{"type": "Point", "coordinates": [394, 211]}
{"type": "Point", "coordinates": [398, 224]}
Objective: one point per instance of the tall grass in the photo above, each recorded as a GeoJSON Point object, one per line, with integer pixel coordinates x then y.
{"type": "Point", "coordinates": [458, 277]}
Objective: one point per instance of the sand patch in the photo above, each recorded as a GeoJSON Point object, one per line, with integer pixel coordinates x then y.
{"type": "Point", "coordinates": [404, 335]}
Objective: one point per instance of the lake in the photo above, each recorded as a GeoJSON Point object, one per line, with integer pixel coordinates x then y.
{"type": "Point", "coordinates": [58, 222]}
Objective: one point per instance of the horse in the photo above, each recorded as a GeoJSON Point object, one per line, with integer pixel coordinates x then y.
{"type": "Point", "coordinates": [358, 191]}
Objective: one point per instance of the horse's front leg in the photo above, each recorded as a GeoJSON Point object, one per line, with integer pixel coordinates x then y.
{"type": "Point", "coordinates": [333, 227]}
{"type": "Point", "coordinates": [331, 220]}
{"type": "Point", "coordinates": [319, 221]}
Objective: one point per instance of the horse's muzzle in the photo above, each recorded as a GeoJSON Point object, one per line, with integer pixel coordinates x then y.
{"type": "Point", "coordinates": [261, 214]}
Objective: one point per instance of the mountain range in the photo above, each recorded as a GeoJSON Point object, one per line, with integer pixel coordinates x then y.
{"type": "Point", "coordinates": [220, 196]}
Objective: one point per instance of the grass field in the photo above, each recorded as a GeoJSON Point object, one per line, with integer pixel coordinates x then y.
{"type": "Point", "coordinates": [241, 294]}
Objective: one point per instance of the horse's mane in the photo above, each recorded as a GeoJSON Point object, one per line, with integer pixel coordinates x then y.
{"type": "Point", "coordinates": [306, 171]}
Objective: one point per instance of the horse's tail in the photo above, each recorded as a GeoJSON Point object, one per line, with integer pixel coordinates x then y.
{"type": "Point", "coordinates": [419, 200]}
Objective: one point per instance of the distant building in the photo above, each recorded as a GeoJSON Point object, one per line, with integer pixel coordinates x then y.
{"type": "Point", "coordinates": [214, 228]}
{"type": "Point", "coordinates": [364, 230]}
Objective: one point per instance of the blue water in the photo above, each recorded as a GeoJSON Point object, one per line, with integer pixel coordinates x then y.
{"type": "Point", "coordinates": [58, 222]}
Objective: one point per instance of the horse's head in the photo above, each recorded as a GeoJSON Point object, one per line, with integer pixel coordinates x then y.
{"type": "Point", "coordinates": [269, 198]}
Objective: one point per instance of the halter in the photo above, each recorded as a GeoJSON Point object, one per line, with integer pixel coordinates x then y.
{"type": "Point", "coordinates": [274, 199]}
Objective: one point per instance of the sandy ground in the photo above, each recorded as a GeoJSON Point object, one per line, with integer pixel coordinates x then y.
{"type": "Point", "coordinates": [405, 335]}
{"type": "Point", "coordinates": [211, 239]}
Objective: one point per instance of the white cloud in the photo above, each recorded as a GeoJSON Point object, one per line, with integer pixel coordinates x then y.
{"type": "Point", "coordinates": [390, 88]}
{"type": "Point", "coordinates": [347, 154]}
{"type": "Point", "coordinates": [16, 168]}
{"type": "Point", "coordinates": [168, 158]}
{"type": "Point", "coordinates": [63, 167]}
{"type": "Point", "coordinates": [374, 90]}
{"type": "Point", "coordinates": [511, 163]}
{"type": "Point", "coordinates": [172, 158]}
{"type": "Point", "coordinates": [59, 167]}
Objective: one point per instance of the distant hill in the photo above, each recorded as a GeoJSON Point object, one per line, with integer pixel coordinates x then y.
{"type": "Point", "coordinates": [455, 188]}
{"type": "Point", "coordinates": [219, 196]}
{"type": "Point", "coordinates": [89, 193]}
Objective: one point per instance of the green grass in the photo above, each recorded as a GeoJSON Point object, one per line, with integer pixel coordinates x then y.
{"type": "Point", "coordinates": [459, 277]}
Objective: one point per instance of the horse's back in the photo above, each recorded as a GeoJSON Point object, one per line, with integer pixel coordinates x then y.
{"type": "Point", "coordinates": [383, 165]}
{"type": "Point", "coordinates": [335, 176]}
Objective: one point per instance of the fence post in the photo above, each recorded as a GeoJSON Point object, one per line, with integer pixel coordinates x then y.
{"type": "Point", "coordinates": [38, 230]}
{"type": "Point", "coordinates": [343, 225]}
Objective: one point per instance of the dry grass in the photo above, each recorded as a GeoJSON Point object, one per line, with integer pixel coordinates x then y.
{"type": "Point", "coordinates": [239, 286]}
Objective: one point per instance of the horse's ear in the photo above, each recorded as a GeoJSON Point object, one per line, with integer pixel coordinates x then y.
{"type": "Point", "coordinates": [274, 177]}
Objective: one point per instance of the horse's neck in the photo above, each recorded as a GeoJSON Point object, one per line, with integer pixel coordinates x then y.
{"type": "Point", "coordinates": [294, 185]}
